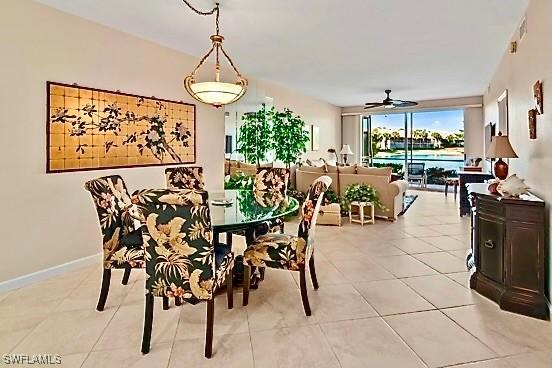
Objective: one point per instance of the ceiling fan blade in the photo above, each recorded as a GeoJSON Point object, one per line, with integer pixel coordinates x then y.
{"type": "Point", "coordinates": [401, 103]}
{"type": "Point", "coordinates": [372, 105]}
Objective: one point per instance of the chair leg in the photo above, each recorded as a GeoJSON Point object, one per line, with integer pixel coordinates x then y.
{"type": "Point", "coordinates": [106, 279]}
{"type": "Point", "coordinates": [209, 329]}
{"type": "Point", "coordinates": [126, 275]}
{"type": "Point", "coordinates": [229, 290]}
{"type": "Point", "coordinates": [148, 323]}
{"type": "Point", "coordinates": [304, 296]}
{"type": "Point", "coordinates": [246, 282]}
{"type": "Point", "coordinates": [312, 270]}
{"type": "Point", "coordinates": [165, 303]}
{"type": "Point", "coordinates": [177, 301]}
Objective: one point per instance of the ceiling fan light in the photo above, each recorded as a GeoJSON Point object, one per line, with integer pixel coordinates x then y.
{"type": "Point", "coordinates": [389, 106]}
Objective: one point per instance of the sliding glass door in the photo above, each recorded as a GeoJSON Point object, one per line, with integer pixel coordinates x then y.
{"type": "Point", "coordinates": [432, 139]}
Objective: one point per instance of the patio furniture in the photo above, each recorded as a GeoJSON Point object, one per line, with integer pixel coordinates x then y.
{"type": "Point", "coordinates": [455, 182]}
{"type": "Point", "coordinates": [122, 240]}
{"type": "Point", "coordinates": [181, 260]}
{"type": "Point", "coordinates": [185, 177]}
{"type": "Point", "coordinates": [417, 173]}
{"type": "Point", "coordinates": [361, 217]}
{"type": "Point", "coordinates": [290, 252]}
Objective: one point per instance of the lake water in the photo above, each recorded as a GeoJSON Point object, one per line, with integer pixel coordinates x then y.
{"type": "Point", "coordinates": [447, 161]}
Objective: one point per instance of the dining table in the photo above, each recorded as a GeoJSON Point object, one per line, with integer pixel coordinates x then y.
{"type": "Point", "coordinates": [243, 213]}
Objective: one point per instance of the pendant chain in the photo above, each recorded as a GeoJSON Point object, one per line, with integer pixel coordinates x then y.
{"type": "Point", "coordinates": [217, 46]}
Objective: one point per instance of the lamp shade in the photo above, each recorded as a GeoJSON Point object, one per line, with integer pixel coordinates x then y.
{"type": "Point", "coordinates": [346, 150]}
{"type": "Point", "coordinates": [501, 148]}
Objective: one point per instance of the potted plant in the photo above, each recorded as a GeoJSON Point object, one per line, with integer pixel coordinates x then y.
{"type": "Point", "coordinates": [255, 136]}
{"type": "Point", "coordinates": [289, 137]}
{"type": "Point", "coordinates": [361, 193]}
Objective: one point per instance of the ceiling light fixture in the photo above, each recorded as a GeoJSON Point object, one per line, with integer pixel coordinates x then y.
{"type": "Point", "coordinates": [215, 93]}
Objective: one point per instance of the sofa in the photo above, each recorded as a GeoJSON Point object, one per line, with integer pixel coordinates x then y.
{"type": "Point", "coordinates": [391, 193]}
{"type": "Point", "coordinates": [232, 166]}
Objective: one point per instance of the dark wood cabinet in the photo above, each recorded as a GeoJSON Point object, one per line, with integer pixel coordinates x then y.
{"type": "Point", "coordinates": [508, 255]}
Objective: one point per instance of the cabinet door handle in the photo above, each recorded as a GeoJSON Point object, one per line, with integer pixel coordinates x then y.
{"type": "Point", "coordinates": [489, 244]}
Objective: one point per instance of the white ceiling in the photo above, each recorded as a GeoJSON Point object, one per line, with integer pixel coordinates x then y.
{"type": "Point", "coordinates": [343, 52]}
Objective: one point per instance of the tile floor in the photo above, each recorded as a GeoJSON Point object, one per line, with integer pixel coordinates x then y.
{"type": "Point", "coordinates": [391, 295]}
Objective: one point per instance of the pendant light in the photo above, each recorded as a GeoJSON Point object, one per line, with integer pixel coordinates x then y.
{"type": "Point", "coordinates": [215, 93]}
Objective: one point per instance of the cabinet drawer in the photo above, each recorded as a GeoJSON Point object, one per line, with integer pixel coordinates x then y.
{"type": "Point", "coordinates": [490, 247]}
{"type": "Point", "coordinates": [490, 207]}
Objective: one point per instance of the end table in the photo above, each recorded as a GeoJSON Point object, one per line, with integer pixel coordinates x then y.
{"type": "Point", "coordinates": [362, 217]}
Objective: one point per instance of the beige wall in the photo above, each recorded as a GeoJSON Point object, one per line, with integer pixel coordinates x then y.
{"type": "Point", "coordinates": [48, 220]}
{"type": "Point", "coordinates": [517, 73]}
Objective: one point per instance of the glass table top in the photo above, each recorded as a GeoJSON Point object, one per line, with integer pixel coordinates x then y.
{"type": "Point", "coordinates": [246, 208]}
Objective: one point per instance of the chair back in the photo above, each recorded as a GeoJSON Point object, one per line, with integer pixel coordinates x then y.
{"type": "Point", "coordinates": [271, 185]}
{"type": "Point", "coordinates": [176, 227]}
{"type": "Point", "coordinates": [112, 200]}
{"type": "Point", "coordinates": [185, 177]}
{"type": "Point", "coordinates": [416, 168]}
{"type": "Point", "coordinates": [310, 209]}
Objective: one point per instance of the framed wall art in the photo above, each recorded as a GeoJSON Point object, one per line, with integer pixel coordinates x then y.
{"type": "Point", "coordinates": [502, 102]}
{"type": "Point", "coordinates": [91, 129]}
{"type": "Point", "coordinates": [532, 115]}
{"type": "Point", "coordinates": [537, 93]}
{"type": "Point", "coordinates": [315, 138]}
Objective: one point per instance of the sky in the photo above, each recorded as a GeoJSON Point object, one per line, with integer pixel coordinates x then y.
{"type": "Point", "coordinates": [444, 122]}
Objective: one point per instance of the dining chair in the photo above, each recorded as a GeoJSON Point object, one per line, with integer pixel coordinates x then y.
{"type": "Point", "coordinates": [122, 242]}
{"type": "Point", "coordinates": [270, 188]}
{"type": "Point", "coordinates": [185, 177]}
{"type": "Point", "coordinates": [181, 261]}
{"type": "Point", "coordinates": [290, 252]}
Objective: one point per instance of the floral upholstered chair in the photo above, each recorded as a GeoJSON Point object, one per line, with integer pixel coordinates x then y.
{"type": "Point", "coordinates": [185, 177]}
{"type": "Point", "coordinates": [290, 252]}
{"type": "Point", "coordinates": [122, 241]}
{"type": "Point", "coordinates": [181, 261]}
{"type": "Point", "coordinates": [270, 189]}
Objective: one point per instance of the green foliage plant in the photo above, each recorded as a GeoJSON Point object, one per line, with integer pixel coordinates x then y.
{"type": "Point", "coordinates": [289, 137]}
{"type": "Point", "coordinates": [255, 137]}
{"type": "Point", "coordinates": [238, 181]}
{"type": "Point", "coordinates": [360, 192]}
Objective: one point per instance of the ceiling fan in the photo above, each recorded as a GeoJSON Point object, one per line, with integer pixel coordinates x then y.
{"type": "Point", "coordinates": [390, 103]}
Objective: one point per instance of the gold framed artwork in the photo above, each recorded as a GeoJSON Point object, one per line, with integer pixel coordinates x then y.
{"type": "Point", "coordinates": [92, 129]}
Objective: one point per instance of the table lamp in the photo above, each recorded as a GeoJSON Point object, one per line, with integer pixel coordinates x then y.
{"type": "Point", "coordinates": [345, 151]}
{"type": "Point", "coordinates": [501, 148]}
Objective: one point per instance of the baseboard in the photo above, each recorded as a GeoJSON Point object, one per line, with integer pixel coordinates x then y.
{"type": "Point", "coordinates": [49, 272]}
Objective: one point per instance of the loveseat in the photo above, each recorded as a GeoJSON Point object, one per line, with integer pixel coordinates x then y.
{"type": "Point", "coordinates": [391, 193]}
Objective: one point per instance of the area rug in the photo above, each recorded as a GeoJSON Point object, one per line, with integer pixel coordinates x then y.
{"type": "Point", "coordinates": [408, 200]}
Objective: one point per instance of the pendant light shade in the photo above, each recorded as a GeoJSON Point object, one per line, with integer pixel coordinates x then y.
{"type": "Point", "coordinates": [215, 93]}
